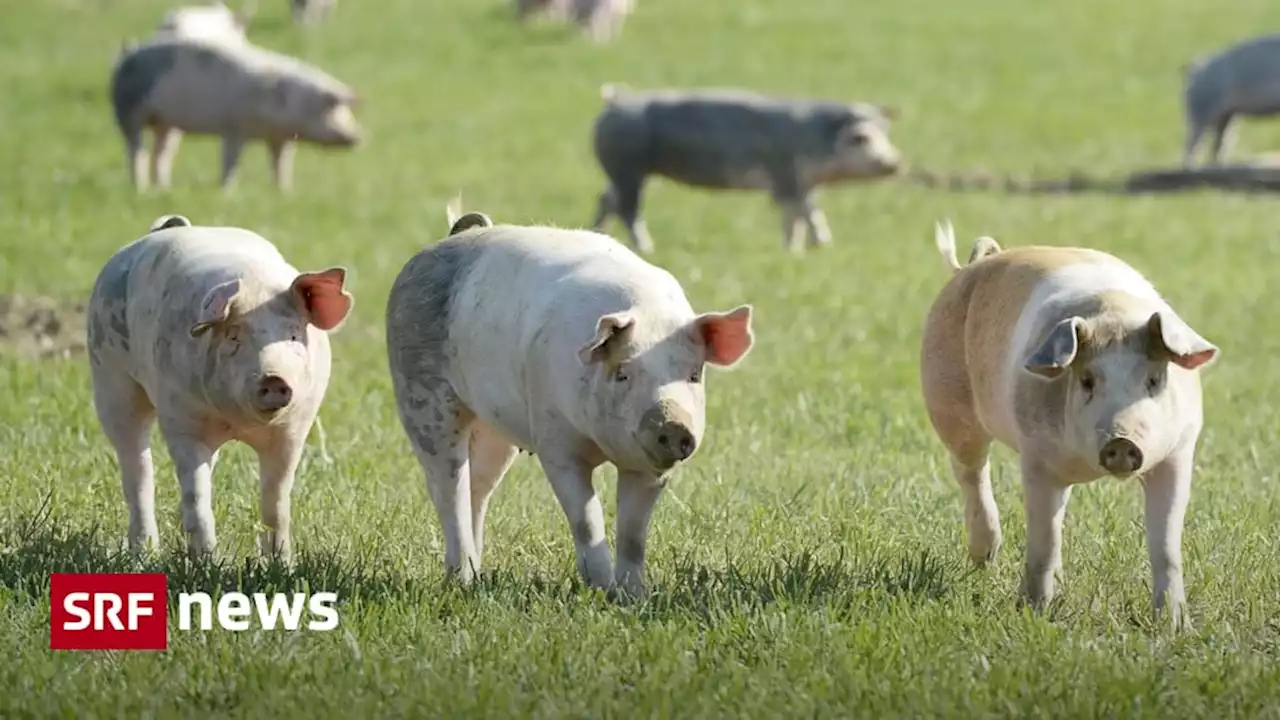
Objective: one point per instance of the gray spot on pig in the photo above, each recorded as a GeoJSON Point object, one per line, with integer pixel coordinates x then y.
{"type": "Point", "coordinates": [418, 312]}
{"type": "Point", "coordinates": [108, 325]}
{"type": "Point", "coordinates": [137, 73]}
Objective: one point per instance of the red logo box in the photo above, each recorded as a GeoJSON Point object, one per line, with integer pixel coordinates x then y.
{"type": "Point", "coordinates": [108, 611]}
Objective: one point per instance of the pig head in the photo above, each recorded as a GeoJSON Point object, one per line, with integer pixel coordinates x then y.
{"type": "Point", "coordinates": [314, 111]}
{"type": "Point", "coordinates": [254, 341]}
{"type": "Point", "coordinates": [642, 383]}
{"type": "Point", "coordinates": [860, 148]}
{"type": "Point", "coordinates": [1124, 384]}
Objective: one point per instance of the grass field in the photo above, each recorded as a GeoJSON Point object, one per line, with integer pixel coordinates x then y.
{"type": "Point", "coordinates": [809, 562]}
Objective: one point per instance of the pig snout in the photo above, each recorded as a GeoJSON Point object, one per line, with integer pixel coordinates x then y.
{"type": "Point", "coordinates": [667, 435]}
{"type": "Point", "coordinates": [273, 394]}
{"type": "Point", "coordinates": [340, 129]}
{"type": "Point", "coordinates": [1120, 456]}
{"type": "Point", "coordinates": [677, 441]}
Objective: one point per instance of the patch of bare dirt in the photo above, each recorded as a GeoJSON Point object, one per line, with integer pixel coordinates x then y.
{"type": "Point", "coordinates": [36, 327]}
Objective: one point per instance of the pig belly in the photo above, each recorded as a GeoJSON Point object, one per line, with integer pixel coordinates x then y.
{"type": "Point", "coordinates": [193, 111]}
{"type": "Point", "coordinates": [715, 173]}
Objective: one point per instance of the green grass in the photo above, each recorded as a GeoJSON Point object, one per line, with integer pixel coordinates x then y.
{"type": "Point", "coordinates": [810, 561]}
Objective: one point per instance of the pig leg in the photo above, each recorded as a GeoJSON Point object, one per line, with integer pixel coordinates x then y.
{"type": "Point", "coordinates": [1222, 139]}
{"type": "Point", "coordinates": [166, 148]}
{"type": "Point", "coordinates": [439, 428]}
{"type": "Point", "coordinates": [1046, 504]}
{"type": "Point", "coordinates": [637, 495]}
{"type": "Point", "coordinates": [626, 197]}
{"type": "Point", "coordinates": [277, 466]}
{"type": "Point", "coordinates": [126, 415]}
{"type": "Point", "coordinates": [792, 227]}
{"type": "Point", "coordinates": [972, 469]}
{"type": "Point", "coordinates": [282, 162]}
{"type": "Point", "coordinates": [136, 153]}
{"type": "Point", "coordinates": [816, 220]}
{"type": "Point", "coordinates": [571, 480]}
{"type": "Point", "coordinates": [1167, 490]}
{"type": "Point", "coordinates": [491, 457]}
{"type": "Point", "coordinates": [232, 147]}
{"type": "Point", "coordinates": [607, 206]}
{"type": "Point", "coordinates": [948, 397]}
{"type": "Point", "coordinates": [194, 460]}
{"type": "Point", "coordinates": [1194, 130]}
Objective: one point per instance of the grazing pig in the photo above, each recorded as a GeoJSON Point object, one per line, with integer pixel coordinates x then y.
{"type": "Point", "coordinates": [210, 331]}
{"type": "Point", "coordinates": [215, 22]}
{"type": "Point", "coordinates": [602, 20]}
{"type": "Point", "coordinates": [1071, 358]}
{"type": "Point", "coordinates": [1242, 80]}
{"type": "Point", "coordinates": [562, 343]}
{"type": "Point", "coordinates": [731, 139]}
{"type": "Point", "coordinates": [240, 92]}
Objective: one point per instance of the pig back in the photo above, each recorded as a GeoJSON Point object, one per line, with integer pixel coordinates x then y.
{"type": "Point", "coordinates": [516, 304]}
{"type": "Point", "coordinates": [198, 85]}
{"type": "Point", "coordinates": [1249, 74]}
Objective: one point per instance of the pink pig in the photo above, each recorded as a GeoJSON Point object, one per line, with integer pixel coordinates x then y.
{"type": "Point", "coordinates": [210, 331]}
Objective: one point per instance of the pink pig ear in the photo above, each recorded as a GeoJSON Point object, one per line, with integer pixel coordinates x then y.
{"type": "Point", "coordinates": [608, 327]}
{"type": "Point", "coordinates": [728, 336]}
{"type": "Point", "coordinates": [323, 296]}
{"type": "Point", "coordinates": [216, 306]}
{"type": "Point", "coordinates": [1176, 341]}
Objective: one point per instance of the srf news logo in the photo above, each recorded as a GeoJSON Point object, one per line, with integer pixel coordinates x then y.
{"type": "Point", "coordinates": [130, 611]}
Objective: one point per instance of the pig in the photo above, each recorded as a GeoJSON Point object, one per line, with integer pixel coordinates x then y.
{"type": "Point", "coordinates": [306, 12]}
{"type": "Point", "coordinates": [564, 344]}
{"type": "Point", "coordinates": [214, 21]}
{"type": "Point", "coordinates": [210, 331]}
{"type": "Point", "coordinates": [240, 92]}
{"type": "Point", "coordinates": [601, 20]}
{"type": "Point", "coordinates": [1241, 80]}
{"type": "Point", "coordinates": [1070, 357]}
{"type": "Point", "coordinates": [737, 140]}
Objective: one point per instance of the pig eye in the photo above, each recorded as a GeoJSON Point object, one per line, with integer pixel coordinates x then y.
{"type": "Point", "coordinates": [1153, 384]}
{"type": "Point", "coordinates": [620, 375]}
{"type": "Point", "coordinates": [858, 139]}
{"type": "Point", "coordinates": [1088, 382]}
{"type": "Point", "coordinates": [696, 377]}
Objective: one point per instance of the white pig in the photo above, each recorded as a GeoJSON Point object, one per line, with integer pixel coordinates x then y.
{"type": "Point", "coordinates": [210, 331]}
{"type": "Point", "coordinates": [214, 21]}
{"type": "Point", "coordinates": [563, 343]}
{"type": "Point", "coordinates": [238, 91]}
{"type": "Point", "coordinates": [1071, 358]}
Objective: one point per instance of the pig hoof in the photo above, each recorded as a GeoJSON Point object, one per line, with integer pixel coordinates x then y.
{"type": "Point", "coordinates": [145, 545]}
{"type": "Point", "coordinates": [983, 546]}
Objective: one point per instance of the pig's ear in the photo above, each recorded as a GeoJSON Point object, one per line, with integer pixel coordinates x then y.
{"type": "Point", "coordinates": [1174, 340]}
{"type": "Point", "coordinates": [727, 336]}
{"type": "Point", "coordinates": [322, 294]}
{"type": "Point", "coordinates": [1057, 351]}
{"type": "Point", "coordinates": [216, 306]}
{"type": "Point", "coordinates": [607, 328]}
{"type": "Point", "coordinates": [164, 222]}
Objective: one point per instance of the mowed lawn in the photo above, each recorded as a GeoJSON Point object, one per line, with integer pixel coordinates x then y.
{"type": "Point", "coordinates": [809, 562]}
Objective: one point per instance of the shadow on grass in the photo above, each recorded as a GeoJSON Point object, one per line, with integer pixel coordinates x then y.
{"type": "Point", "coordinates": [33, 547]}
